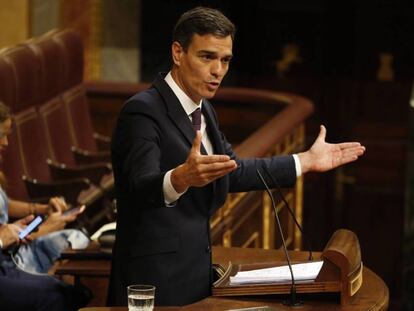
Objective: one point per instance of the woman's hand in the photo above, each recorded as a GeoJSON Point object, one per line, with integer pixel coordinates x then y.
{"type": "Point", "coordinates": [9, 233]}
{"type": "Point", "coordinates": [56, 204]}
{"type": "Point", "coordinates": [55, 221]}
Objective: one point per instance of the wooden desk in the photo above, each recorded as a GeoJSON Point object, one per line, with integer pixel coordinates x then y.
{"type": "Point", "coordinates": [91, 267]}
{"type": "Point", "coordinates": [372, 296]}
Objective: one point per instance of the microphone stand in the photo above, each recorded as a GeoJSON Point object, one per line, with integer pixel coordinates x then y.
{"type": "Point", "coordinates": [282, 197]}
{"type": "Point", "coordinates": [293, 302]}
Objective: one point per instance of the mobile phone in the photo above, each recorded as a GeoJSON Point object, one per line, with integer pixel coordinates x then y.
{"type": "Point", "coordinates": [30, 227]}
{"type": "Point", "coordinates": [78, 209]}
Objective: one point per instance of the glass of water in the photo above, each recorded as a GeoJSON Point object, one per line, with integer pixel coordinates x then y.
{"type": "Point", "coordinates": [141, 297]}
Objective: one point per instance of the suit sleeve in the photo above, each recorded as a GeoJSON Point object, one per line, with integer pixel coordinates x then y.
{"type": "Point", "coordinates": [245, 177]}
{"type": "Point", "coordinates": [136, 157]}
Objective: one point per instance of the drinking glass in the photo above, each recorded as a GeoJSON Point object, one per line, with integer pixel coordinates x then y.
{"type": "Point", "coordinates": [141, 297]}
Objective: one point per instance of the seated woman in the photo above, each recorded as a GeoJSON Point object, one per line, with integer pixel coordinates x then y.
{"type": "Point", "coordinates": [20, 290]}
{"type": "Point", "coordinates": [47, 244]}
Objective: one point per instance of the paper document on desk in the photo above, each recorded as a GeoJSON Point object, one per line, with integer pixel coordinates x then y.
{"type": "Point", "coordinates": [301, 272]}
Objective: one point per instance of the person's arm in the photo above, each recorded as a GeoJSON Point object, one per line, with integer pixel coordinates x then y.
{"type": "Point", "coordinates": [19, 209]}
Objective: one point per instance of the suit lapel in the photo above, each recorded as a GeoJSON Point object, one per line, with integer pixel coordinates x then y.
{"type": "Point", "coordinates": [212, 127]}
{"type": "Point", "coordinates": [175, 110]}
{"type": "Point", "coordinates": [179, 117]}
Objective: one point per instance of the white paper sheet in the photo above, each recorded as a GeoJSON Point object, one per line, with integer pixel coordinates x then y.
{"type": "Point", "coordinates": [301, 272]}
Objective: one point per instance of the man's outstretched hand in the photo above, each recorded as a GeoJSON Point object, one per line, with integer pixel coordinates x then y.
{"type": "Point", "coordinates": [323, 156]}
{"type": "Point", "coordinates": [199, 170]}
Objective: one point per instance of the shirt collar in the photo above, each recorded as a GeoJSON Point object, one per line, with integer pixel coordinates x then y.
{"type": "Point", "coordinates": [187, 103]}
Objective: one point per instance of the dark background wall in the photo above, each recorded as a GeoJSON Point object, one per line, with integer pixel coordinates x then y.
{"type": "Point", "coordinates": [339, 45]}
{"type": "Point", "coordinates": [336, 39]}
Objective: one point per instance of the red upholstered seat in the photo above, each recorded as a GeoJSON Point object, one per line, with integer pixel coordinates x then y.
{"type": "Point", "coordinates": [26, 76]}
{"type": "Point", "coordinates": [26, 156]}
{"type": "Point", "coordinates": [7, 85]}
{"type": "Point", "coordinates": [12, 167]}
{"type": "Point", "coordinates": [37, 79]}
{"type": "Point", "coordinates": [51, 60]}
{"type": "Point", "coordinates": [74, 95]}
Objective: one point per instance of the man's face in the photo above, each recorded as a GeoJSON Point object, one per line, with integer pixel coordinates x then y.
{"type": "Point", "coordinates": [199, 70]}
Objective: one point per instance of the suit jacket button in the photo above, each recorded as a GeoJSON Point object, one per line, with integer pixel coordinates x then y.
{"type": "Point", "coordinates": [208, 249]}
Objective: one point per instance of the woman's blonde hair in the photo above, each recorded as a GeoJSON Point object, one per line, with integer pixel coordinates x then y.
{"type": "Point", "coordinates": [4, 115]}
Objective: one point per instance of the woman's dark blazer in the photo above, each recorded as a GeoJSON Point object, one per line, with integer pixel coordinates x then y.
{"type": "Point", "coordinates": [169, 247]}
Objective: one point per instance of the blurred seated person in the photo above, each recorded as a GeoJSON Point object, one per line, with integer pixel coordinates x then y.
{"type": "Point", "coordinates": [47, 244]}
{"type": "Point", "coordinates": [20, 290]}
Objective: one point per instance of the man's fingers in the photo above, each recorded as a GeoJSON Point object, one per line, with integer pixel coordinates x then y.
{"type": "Point", "coordinates": [218, 166]}
{"type": "Point", "coordinates": [216, 158]}
{"type": "Point", "coordinates": [322, 133]}
{"type": "Point", "coordinates": [349, 145]}
{"type": "Point", "coordinates": [213, 175]}
{"type": "Point", "coordinates": [350, 153]}
{"type": "Point", "coordinates": [210, 172]}
{"type": "Point", "coordinates": [196, 143]}
{"type": "Point", "coordinates": [210, 176]}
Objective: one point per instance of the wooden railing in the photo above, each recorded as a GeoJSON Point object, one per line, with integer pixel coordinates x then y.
{"type": "Point", "coordinates": [247, 219]}
{"type": "Point", "coordinates": [274, 124]}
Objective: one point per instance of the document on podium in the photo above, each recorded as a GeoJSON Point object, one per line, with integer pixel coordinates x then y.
{"type": "Point", "coordinates": [303, 272]}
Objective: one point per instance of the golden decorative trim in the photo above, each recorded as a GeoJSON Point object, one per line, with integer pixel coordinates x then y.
{"type": "Point", "coordinates": [298, 211]}
{"type": "Point", "coordinates": [253, 238]}
{"type": "Point", "coordinates": [291, 143]}
{"type": "Point", "coordinates": [267, 214]}
{"type": "Point", "coordinates": [242, 219]}
{"type": "Point", "coordinates": [227, 238]}
{"type": "Point", "coordinates": [216, 219]}
{"type": "Point", "coordinates": [232, 200]}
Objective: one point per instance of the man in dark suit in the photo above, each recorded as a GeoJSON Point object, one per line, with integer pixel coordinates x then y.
{"type": "Point", "coordinates": [170, 178]}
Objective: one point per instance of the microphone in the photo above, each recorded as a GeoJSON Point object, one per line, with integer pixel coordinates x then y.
{"type": "Point", "coordinates": [282, 197]}
{"type": "Point", "coordinates": [293, 302]}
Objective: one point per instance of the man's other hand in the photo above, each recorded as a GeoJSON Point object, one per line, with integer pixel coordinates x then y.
{"type": "Point", "coordinates": [200, 170]}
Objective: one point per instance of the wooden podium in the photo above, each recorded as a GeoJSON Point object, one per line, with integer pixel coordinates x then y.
{"type": "Point", "coordinates": [341, 273]}
{"type": "Point", "coordinates": [372, 295]}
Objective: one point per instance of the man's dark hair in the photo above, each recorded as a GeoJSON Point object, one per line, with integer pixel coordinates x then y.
{"type": "Point", "coordinates": [202, 21]}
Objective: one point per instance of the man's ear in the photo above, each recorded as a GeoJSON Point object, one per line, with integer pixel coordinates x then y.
{"type": "Point", "coordinates": [176, 51]}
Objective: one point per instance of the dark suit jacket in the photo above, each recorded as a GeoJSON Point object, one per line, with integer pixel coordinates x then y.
{"type": "Point", "coordinates": [169, 247]}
